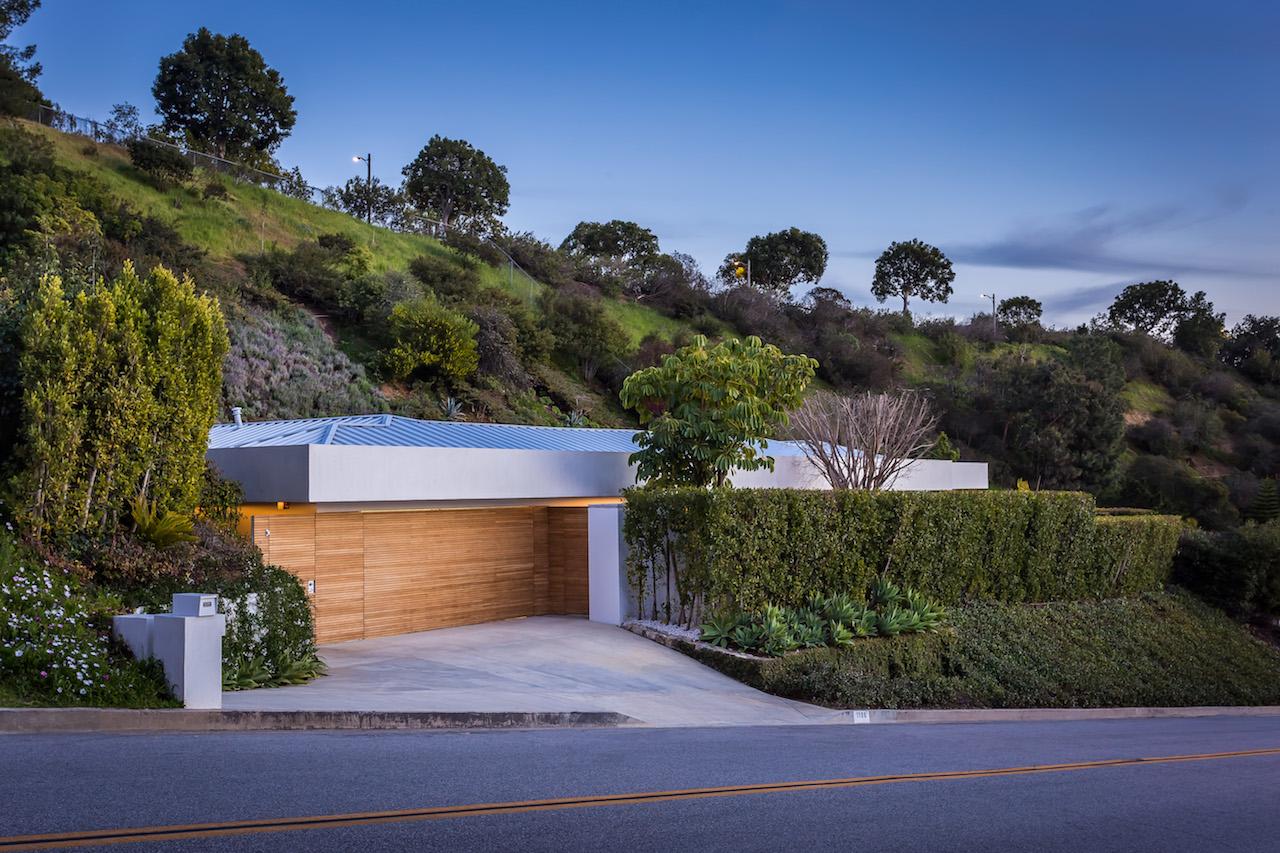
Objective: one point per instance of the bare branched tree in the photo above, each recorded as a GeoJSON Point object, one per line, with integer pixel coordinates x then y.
{"type": "Point", "coordinates": [864, 441]}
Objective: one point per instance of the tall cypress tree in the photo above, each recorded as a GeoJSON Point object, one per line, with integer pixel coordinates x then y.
{"type": "Point", "coordinates": [1266, 506]}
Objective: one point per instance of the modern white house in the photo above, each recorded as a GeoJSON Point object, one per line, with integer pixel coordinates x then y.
{"type": "Point", "coordinates": [397, 525]}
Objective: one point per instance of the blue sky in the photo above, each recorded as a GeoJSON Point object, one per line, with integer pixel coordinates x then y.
{"type": "Point", "coordinates": [1057, 150]}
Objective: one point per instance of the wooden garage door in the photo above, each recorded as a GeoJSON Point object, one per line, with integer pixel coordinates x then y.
{"type": "Point", "coordinates": [382, 573]}
{"type": "Point", "coordinates": [426, 570]}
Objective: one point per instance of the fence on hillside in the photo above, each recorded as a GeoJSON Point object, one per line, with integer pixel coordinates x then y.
{"type": "Point", "coordinates": [290, 184]}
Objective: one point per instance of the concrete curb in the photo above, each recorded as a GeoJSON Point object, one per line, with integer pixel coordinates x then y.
{"type": "Point", "coordinates": [44, 720]}
{"type": "Point", "coordinates": [1029, 715]}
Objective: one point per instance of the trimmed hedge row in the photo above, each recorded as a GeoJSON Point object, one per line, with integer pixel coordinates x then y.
{"type": "Point", "coordinates": [744, 548]}
{"type": "Point", "coordinates": [1155, 650]}
{"type": "Point", "coordinates": [1237, 570]}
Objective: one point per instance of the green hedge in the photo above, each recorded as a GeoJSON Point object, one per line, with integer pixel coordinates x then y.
{"type": "Point", "coordinates": [745, 548]}
{"type": "Point", "coordinates": [1157, 649]}
{"type": "Point", "coordinates": [1237, 570]}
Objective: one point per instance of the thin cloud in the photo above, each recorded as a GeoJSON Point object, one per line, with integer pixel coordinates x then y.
{"type": "Point", "coordinates": [1091, 299]}
{"type": "Point", "coordinates": [1092, 240]}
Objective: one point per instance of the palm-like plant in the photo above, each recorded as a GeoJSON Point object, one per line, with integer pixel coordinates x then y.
{"type": "Point", "coordinates": [161, 529]}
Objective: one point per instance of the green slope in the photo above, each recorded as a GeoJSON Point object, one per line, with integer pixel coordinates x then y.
{"type": "Point", "coordinates": [253, 218]}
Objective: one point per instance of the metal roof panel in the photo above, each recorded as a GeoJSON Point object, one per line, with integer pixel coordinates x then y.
{"type": "Point", "coordinates": [397, 431]}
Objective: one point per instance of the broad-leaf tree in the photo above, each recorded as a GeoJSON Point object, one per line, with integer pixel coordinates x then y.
{"type": "Point", "coordinates": [1020, 316]}
{"type": "Point", "coordinates": [584, 331]}
{"type": "Point", "coordinates": [777, 262]}
{"type": "Point", "coordinates": [912, 268]}
{"type": "Point", "coordinates": [1019, 311]}
{"type": "Point", "coordinates": [612, 253]}
{"type": "Point", "coordinates": [457, 184]}
{"type": "Point", "coordinates": [1151, 308]}
{"type": "Point", "coordinates": [372, 200]}
{"type": "Point", "coordinates": [220, 95]}
{"type": "Point", "coordinates": [708, 410]}
{"type": "Point", "coordinates": [827, 299]}
{"type": "Point", "coordinates": [616, 239]}
{"type": "Point", "coordinates": [18, 68]}
{"type": "Point", "coordinates": [1254, 347]}
{"type": "Point", "coordinates": [1200, 329]}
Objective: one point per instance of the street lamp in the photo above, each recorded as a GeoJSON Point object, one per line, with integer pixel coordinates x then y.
{"type": "Point", "coordinates": [992, 297]}
{"type": "Point", "coordinates": [368, 186]}
{"type": "Point", "coordinates": [740, 269]}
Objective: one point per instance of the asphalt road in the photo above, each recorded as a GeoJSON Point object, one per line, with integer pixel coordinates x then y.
{"type": "Point", "coordinates": [79, 783]}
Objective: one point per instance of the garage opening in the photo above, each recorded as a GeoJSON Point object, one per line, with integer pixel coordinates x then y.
{"type": "Point", "coordinates": [377, 573]}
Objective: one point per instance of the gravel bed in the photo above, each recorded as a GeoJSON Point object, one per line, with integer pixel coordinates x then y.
{"type": "Point", "coordinates": [677, 631]}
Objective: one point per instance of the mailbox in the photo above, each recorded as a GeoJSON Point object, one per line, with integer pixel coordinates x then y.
{"type": "Point", "coordinates": [194, 604]}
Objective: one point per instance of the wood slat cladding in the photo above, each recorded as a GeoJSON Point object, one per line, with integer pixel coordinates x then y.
{"type": "Point", "coordinates": [339, 598]}
{"type": "Point", "coordinates": [380, 573]}
{"type": "Point", "coordinates": [436, 569]}
{"type": "Point", "coordinates": [541, 564]}
{"type": "Point", "coordinates": [567, 534]}
{"type": "Point", "coordinates": [288, 541]}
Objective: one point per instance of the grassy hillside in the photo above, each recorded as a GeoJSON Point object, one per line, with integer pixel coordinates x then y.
{"type": "Point", "coordinates": [248, 220]}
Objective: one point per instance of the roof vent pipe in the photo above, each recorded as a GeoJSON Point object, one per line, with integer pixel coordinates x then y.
{"type": "Point", "coordinates": [235, 416]}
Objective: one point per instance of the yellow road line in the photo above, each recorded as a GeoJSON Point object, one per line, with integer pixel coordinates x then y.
{"type": "Point", "coordinates": [246, 827]}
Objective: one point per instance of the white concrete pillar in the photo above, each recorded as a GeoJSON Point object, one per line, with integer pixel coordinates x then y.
{"type": "Point", "coordinates": [608, 591]}
{"type": "Point", "coordinates": [187, 642]}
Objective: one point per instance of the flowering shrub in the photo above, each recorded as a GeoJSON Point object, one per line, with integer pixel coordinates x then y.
{"type": "Point", "coordinates": [282, 365]}
{"type": "Point", "coordinates": [55, 640]}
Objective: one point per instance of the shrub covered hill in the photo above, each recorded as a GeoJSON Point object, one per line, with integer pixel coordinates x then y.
{"type": "Point", "coordinates": [329, 315]}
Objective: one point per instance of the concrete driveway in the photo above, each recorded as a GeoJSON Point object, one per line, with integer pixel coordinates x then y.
{"type": "Point", "coordinates": [540, 663]}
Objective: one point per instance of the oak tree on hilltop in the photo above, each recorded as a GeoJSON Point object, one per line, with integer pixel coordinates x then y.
{"type": "Point", "coordinates": [220, 95]}
{"type": "Point", "coordinates": [457, 184]}
{"type": "Point", "coordinates": [1151, 308]}
{"type": "Point", "coordinates": [777, 262]}
{"type": "Point", "coordinates": [912, 268]}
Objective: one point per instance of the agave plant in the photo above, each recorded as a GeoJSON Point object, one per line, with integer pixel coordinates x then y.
{"type": "Point", "coordinates": [748, 637]}
{"type": "Point", "coordinates": [776, 636]}
{"type": "Point", "coordinates": [810, 634]}
{"type": "Point", "coordinates": [928, 614]}
{"type": "Point", "coordinates": [576, 418]}
{"type": "Point", "coordinates": [838, 634]}
{"type": "Point", "coordinates": [865, 623]}
{"type": "Point", "coordinates": [719, 628]}
{"type": "Point", "coordinates": [451, 408]}
{"type": "Point", "coordinates": [909, 622]}
{"type": "Point", "coordinates": [885, 593]}
{"type": "Point", "coordinates": [841, 608]}
{"type": "Point", "coordinates": [891, 620]}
